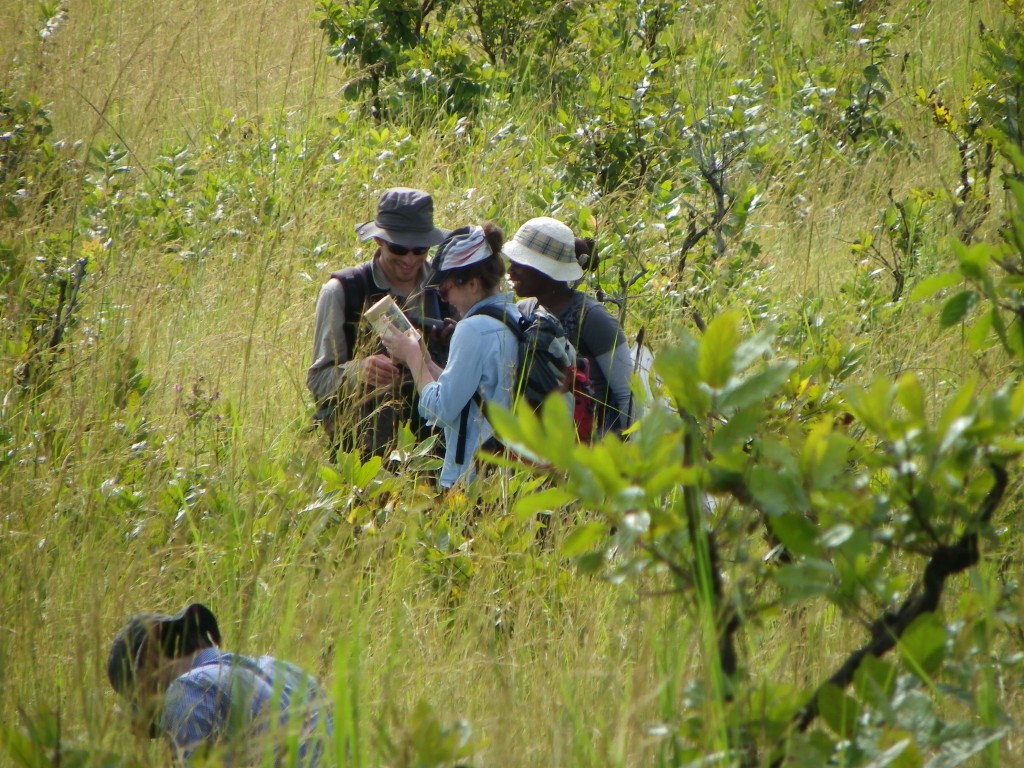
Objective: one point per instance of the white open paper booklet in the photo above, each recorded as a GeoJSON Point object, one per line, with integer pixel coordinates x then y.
{"type": "Point", "coordinates": [386, 313]}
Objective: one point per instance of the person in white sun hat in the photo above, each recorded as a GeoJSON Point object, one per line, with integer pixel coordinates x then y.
{"type": "Point", "coordinates": [543, 270]}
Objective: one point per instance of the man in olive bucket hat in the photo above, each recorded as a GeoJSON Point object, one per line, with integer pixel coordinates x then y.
{"type": "Point", "coordinates": [362, 396]}
{"type": "Point", "coordinates": [207, 702]}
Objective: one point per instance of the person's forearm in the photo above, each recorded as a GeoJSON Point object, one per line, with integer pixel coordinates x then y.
{"type": "Point", "coordinates": [324, 383]}
{"type": "Point", "coordinates": [424, 371]}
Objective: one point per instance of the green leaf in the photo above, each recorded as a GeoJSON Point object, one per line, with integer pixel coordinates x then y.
{"type": "Point", "coordinates": [1017, 402]}
{"type": "Point", "coordinates": [591, 563]}
{"type": "Point", "coordinates": [717, 349]}
{"type": "Point", "coordinates": [607, 469]}
{"type": "Point", "coordinates": [839, 710]}
{"type": "Point", "coordinates": [21, 749]}
{"type": "Point", "coordinates": [901, 753]}
{"type": "Point", "coordinates": [959, 414]}
{"type": "Point", "coordinates": [776, 704]}
{"type": "Point", "coordinates": [587, 222]}
{"type": "Point", "coordinates": [368, 471]}
{"type": "Point", "coordinates": [677, 367]}
{"type": "Point", "coordinates": [837, 535]}
{"type": "Point", "coordinates": [505, 425]}
{"type": "Point", "coordinates": [755, 388]}
{"type": "Point", "coordinates": [873, 406]}
{"type": "Point", "coordinates": [932, 285]}
{"type": "Point", "coordinates": [559, 430]}
{"type": "Point", "coordinates": [796, 533]}
{"type": "Point", "coordinates": [923, 645]}
{"type": "Point", "coordinates": [910, 395]}
{"type": "Point", "coordinates": [960, 751]}
{"type": "Point", "coordinates": [875, 681]}
{"type": "Point", "coordinates": [803, 581]}
{"type": "Point", "coordinates": [825, 456]}
{"type": "Point", "coordinates": [544, 501]}
{"type": "Point", "coordinates": [735, 432]}
{"type": "Point", "coordinates": [752, 349]}
{"type": "Point", "coordinates": [348, 471]}
{"type": "Point", "coordinates": [811, 750]}
{"type": "Point", "coordinates": [980, 332]}
{"type": "Point", "coordinates": [776, 492]}
{"type": "Point", "coordinates": [891, 215]}
{"type": "Point", "coordinates": [973, 260]}
{"type": "Point", "coordinates": [584, 539]}
{"type": "Point", "coordinates": [521, 431]}
{"type": "Point", "coordinates": [956, 308]}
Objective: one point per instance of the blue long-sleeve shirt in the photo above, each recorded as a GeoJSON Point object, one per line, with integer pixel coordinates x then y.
{"type": "Point", "coordinates": [226, 702]}
{"type": "Point", "coordinates": [483, 357]}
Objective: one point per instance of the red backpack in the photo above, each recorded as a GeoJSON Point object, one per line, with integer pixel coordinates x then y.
{"type": "Point", "coordinates": [584, 399]}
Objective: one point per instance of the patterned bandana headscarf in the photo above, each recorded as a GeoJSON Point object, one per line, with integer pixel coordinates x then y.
{"type": "Point", "coordinates": [463, 248]}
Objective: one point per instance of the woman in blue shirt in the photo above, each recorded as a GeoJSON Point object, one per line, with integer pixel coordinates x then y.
{"type": "Point", "coordinates": [468, 271]}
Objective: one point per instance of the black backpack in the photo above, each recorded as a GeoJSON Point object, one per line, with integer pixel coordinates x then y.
{"type": "Point", "coordinates": [545, 364]}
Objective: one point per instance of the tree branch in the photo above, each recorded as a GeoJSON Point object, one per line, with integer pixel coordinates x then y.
{"type": "Point", "coordinates": [945, 561]}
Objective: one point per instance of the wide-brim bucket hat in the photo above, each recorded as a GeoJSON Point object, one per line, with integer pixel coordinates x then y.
{"type": "Point", "coordinates": [404, 217]}
{"type": "Point", "coordinates": [547, 245]}
{"type": "Point", "coordinates": [169, 631]}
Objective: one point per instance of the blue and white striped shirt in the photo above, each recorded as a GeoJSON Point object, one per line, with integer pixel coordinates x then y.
{"type": "Point", "coordinates": [226, 705]}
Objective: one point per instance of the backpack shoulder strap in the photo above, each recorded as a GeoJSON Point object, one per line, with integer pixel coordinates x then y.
{"type": "Point", "coordinates": [359, 288]}
{"type": "Point", "coordinates": [498, 313]}
{"type": "Point", "coordinates": [460, 444]}
{"type": "Point", "coordinates": [358, 285]}
{"type": "Point", "coordinates": [495, 313]}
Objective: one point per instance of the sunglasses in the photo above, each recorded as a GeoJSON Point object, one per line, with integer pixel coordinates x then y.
{"type": "Point", "coordinates": [401, 250]}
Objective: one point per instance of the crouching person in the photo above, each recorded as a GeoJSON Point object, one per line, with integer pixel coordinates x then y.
{"type": "Point", "coordinates": [209, 703]}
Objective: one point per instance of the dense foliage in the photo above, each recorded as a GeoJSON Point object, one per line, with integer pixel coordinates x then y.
{"type": "Point", "coordinates": [814, 464]}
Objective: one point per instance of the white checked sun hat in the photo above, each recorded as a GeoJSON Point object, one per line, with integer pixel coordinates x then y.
{"type": "Point", "coordinates": [547, 245]}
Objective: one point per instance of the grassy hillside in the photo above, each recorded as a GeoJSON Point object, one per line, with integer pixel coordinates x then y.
{"type": "Point", "coordinates": [208, 163]}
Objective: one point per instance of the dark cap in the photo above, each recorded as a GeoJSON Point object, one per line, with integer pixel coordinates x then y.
{"type": "Point", "coordinates": [404, 217]}
{"type": "Point", "coordinates": [193, 627]}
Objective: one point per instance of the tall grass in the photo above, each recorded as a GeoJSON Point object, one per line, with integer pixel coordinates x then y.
{"type": "Point", "coordinates": [170, 458]}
